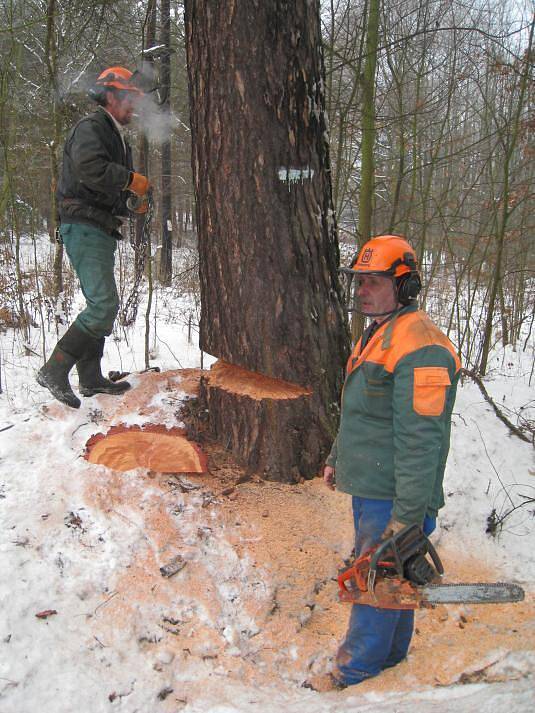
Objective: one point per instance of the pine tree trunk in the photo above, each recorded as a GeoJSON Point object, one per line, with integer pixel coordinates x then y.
{"type": "Point", "coordinates": [271, 300]}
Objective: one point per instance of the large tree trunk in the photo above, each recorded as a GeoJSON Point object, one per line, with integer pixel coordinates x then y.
{"type": "Point", "coordinates": [271, 301]}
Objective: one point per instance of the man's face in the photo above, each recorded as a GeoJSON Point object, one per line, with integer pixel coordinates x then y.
{"type": "Point", "coordinates": [377, 294]}
{"type": "Point", "coordinates": [121, 105]}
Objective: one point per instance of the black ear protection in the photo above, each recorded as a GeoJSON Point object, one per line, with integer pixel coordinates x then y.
{"type": "Point", "coordinates": [97, 93]}
{"type": "Point", "coordinates": [410, 284]}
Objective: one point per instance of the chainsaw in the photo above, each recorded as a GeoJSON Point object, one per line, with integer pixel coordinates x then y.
{"type": "Point", "coordinates": [404, 572]}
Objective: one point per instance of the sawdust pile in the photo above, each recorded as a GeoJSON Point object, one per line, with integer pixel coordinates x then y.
{"type": "Point", "coordinates": [253, 591]}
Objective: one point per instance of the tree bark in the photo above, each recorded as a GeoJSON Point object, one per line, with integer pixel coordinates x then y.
{"type": "Point", "coordinates": [271, 300]}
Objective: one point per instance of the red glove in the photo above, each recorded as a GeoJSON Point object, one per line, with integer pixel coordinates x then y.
{"type": "Point", "coordinates": [139, 184]}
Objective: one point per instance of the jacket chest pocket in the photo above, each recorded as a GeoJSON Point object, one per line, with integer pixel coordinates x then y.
{"type": "Point", "coordinates": [377, 396]}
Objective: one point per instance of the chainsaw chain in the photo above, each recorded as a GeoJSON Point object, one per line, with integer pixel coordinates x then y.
{"type": "Point", "coordinates": [488, 585]}
{"type": "Point", "coordinates": [515, 592]}
{"type": "Point", "coordinates": [129, 311]}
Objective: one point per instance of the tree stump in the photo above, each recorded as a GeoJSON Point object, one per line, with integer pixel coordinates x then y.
{"type": "Point", "coordinates": [263, 420]}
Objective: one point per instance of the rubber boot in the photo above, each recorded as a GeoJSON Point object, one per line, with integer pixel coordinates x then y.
{"type": "Point", "coordinates": [54, 375]}
{"type": "Point", "coordinates": [90, 374]}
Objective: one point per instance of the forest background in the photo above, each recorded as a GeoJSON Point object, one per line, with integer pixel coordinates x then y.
{"type": "Point", "coordinates": [430, 108]}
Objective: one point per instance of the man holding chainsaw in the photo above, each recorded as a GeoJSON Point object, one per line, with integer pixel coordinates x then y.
{"type": "Point", "coordinates": [393, 440]}
{"type": "Point", "coordinates": [96, 180]}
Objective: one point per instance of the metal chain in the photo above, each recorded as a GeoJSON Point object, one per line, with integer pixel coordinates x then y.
{"type": "Point", "coordinates": [129, 311]}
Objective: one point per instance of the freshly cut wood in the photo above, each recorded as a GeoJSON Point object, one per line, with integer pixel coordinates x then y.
{"type": "Point", "coordinates": [163, 450]}
{"type": "Point", "coordinates": [242, 382]}
{"type": "Point", "coordinates": [267, 423]}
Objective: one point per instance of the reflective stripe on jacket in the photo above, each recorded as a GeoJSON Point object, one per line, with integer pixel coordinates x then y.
{"type": "Point", "coordinates": [397, 401]}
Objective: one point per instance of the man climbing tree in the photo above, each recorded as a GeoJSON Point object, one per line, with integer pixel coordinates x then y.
{"type": "Point", "coordinates": [271, 301]}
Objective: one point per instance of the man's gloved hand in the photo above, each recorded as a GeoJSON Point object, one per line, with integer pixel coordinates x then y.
{"type": "Point", "coordinates": [142, 206]}
{"type": "Point", "coordinates": [138, 204]}
{"type": "Point", "coordinates": [392, 528]}
{"type": "Point", "coordinates": [139, 184]}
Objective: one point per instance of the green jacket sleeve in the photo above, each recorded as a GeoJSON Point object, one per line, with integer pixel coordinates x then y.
{"type": "Point", "coordinates": [420, 440]}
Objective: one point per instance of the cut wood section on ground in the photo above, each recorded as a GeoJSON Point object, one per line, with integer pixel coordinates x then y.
{"type": "Point", "coordinates": [166, 450]}
{"type": "Point", "coordinates": [264, 422]}
{"type": "Point", "coordinates": [157, 444]}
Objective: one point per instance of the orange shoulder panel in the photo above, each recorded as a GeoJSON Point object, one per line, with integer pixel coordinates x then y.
{"type": "Point", "coordinates": [414, 331]}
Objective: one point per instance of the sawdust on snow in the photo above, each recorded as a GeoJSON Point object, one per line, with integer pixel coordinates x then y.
{"type": "Point", "coordinates": [255, 597]}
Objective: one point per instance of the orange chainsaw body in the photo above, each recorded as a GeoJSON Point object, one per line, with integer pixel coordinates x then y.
{"type": "Point", "coordinates": [386, 591]}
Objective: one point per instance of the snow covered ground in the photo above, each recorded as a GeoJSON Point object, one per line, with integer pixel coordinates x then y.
{"type": "Point", "coordinates": [73, 535]}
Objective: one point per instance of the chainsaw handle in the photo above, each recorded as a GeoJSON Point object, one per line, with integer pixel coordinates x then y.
{"type": "Point", "coordinates": [357, 572]}
{"type": "Point", "coordinates": [343, 577]}
{"type": "Point", "coordinates": [434, 556]}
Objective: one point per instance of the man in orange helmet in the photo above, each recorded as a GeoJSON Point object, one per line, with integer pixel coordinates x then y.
{"type": "Point", "coordinates": [393, 439]}
{"type": "Point", "coordinates": [97, 178]}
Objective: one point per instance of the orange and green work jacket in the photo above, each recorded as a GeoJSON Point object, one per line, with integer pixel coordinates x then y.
{"type": "Point", "coordinates": [394, 432]}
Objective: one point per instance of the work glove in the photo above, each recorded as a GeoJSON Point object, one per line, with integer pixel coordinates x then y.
{"type": "Point", "coordinates": [139, 184]}
{"type": "Point", "coordinates": [392, 528]}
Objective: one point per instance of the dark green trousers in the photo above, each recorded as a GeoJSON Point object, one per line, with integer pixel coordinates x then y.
{"type": "Point", "coordinates": [92, 254]}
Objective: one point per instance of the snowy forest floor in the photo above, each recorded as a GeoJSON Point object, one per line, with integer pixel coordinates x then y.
{"type": "Point", "coordinates": [253, 614]}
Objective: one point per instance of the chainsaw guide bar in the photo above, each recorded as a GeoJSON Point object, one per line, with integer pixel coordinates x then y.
{"type": "Point", "coordinates": [484, 593]}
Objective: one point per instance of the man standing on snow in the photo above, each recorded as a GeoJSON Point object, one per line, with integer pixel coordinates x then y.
{"type": "Point", "coordinates": [393, 440]}
{"type": "Point", "coordinates": [96, 179]}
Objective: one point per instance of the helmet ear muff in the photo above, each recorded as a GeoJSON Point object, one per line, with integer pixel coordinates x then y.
{"type": "Point", "coordinates": [97, 94]}
{"type": "Point", "coordinates": [409, 287]}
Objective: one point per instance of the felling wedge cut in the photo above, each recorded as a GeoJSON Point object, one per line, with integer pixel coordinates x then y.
{"type": "Point", "coordinates": [156, 447]}
{"type": "Point", "coordinates": [256, 386]}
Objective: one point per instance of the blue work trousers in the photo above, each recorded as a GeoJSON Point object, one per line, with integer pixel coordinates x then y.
{"type": "Point", "coordinates": [376, 638]}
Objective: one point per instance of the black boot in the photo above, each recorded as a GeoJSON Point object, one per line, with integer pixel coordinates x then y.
{"type": "Point", "coordinates": [89, 372]}
{"type": "Point", "coordinates": [54, 375]}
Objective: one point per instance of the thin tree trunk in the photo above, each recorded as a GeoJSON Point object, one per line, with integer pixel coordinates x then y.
{"type": "Point", "coordinates": [166, 257]}
{"type": "Point", "coordinates": [367, 177]}
{"type": "Point", "coordinates": [511, 139]}
{"type": "Point", "coordinates": [51, 63]}
{"type": "Point", "coordinates": [367, 180]}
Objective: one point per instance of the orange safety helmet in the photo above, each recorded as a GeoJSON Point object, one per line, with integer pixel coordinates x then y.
{"type": "Point", "coordinates": [385, 255]}
{"type": "Point", "coordinates": [390, 256]}
{"type": "Point", "coordinates": [118, 78]}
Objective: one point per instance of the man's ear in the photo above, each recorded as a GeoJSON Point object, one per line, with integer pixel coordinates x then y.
{"type": "Point", "coordinates": [109, 97]}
